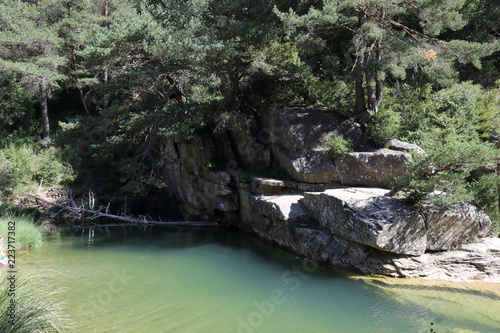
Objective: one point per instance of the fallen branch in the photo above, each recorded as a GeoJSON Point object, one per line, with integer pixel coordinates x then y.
{"type": "Point", "coordinates": [95, 214]}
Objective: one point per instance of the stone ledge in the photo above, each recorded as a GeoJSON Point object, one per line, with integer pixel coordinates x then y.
{"type": "Point", "coordinates": [367, 216]}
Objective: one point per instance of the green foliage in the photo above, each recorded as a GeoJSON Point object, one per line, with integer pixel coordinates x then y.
{"type": "Point", "coordinates": [15, 105]}
{"type": "Point", "coordinates": [37, 306]}
{"type": "Point", "coordinates": [485, 194]}
{"type": "Point", "coordinates": [15, 210]}
{"type": "Point", "coordinates": [386, 39]}
{"type": "Point", "coordinates": [24, 166]}
{"type": "Point", "coordinates": [245, 178]}
{"type": "Point", "coordinates": [125, 154]}
{"type": "Point", "coordinates": [461, 112]}
{"type": "Point", "coordinates": [27, 233]}
{"type": "Point", "coordinates": [384, 125]}
{"type": "Point", "coordinates": [337, 145]}
{"type": "Point", "coordinates": [444, 169]}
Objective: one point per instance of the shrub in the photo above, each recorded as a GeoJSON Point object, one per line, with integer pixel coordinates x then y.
{"type": "Point", "coordinates": [445, 169]}
{"type": "Point", "coordinates": [384, 125]}
{"type": "Point", "coordinates": [27, 233]}
{"type": "Point", "coordinates": [24, 165]}
{"type": "Point", "coordinates": [485, 192]}
{"type": "Point", "coordinates": [337, 145]}
{"type": "Point", "coordinates": [37, 309]}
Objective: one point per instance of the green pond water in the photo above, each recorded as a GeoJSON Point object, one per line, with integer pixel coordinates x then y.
{"type": "Point", "coordinates": [198, 280]}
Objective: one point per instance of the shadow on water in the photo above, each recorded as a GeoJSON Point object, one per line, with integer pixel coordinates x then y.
{"type": "Point", "coordinates": [168, 238]}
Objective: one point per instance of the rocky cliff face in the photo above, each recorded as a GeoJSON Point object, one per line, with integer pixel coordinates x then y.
{"type": "Point", "coordinates": [334, 212]}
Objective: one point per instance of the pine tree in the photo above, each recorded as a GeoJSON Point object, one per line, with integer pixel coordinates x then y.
{"type": "Point", "coordinates": [388, 37]}
{"type": "Point", "coordinates": [30, 47]}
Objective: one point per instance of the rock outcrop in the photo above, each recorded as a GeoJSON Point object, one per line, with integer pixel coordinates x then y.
{"type": "Point", "coordinates": [333, 212]}
{"type": "Point", "coordinates": [469, 262]}
{"type": "Point", "coordinates": [448, 227]}
{"type": "Point", "coordinates": [311, 166]}
{"type": "Point", "coordinates": [304, 129]}
{"type": "Point", "coordinates": [367, 216]}
{"type": "Point", "coordinates": [404, 146]}
{"type": "Point", "coordinates": [205, 194]}
{"type": "Point", "coordinates": [379, 168]}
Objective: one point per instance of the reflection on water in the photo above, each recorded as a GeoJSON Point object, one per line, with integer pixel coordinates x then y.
{"type": "Point", "coordinates": [185, 280]}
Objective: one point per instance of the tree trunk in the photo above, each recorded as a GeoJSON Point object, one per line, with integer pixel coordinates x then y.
{"type": "Point", "coordinates": [359, 71]}
{"type": "Point", "coordinates": [378, 80]}
{"type": "Point", "coordinates": [44, 110]}
{"type": "Point", "coordinates": [360, 90]}
{"type": "Point", "coordinates": [233, 78]}
{"type": "Point", "coordinates": [82, 98]}
{"type": "Point", "coordinates": [370, 91]}
{"type": "Point", "coordinates": [80, 90]}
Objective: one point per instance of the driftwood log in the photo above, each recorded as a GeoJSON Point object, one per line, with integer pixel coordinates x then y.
{"type": "Point", "coordinates": [94, 214]}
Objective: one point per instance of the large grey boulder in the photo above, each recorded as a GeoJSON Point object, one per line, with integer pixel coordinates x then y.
{"type": "Point", "coordinates": [449, 226]}
{"type": "Point", "coordinates": [366, 216]}
{"type": "Point", "coordinates": [260, 211]}
{"type": "Point", "coordinates": [309, 167]}
{"type": "Point", "coordinates": [302, 129]}
{"type": "Point", "coordinates": [252, 153]}
{"type": "Point", "coordinates": [379, 168]}
{"type": "Point", "coordinates": [374, 169]}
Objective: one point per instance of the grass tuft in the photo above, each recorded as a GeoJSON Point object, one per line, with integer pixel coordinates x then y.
{"type": "Point", "coordinates": [37, 309]}
{"type": "Point", "coordinates": [27, 233]}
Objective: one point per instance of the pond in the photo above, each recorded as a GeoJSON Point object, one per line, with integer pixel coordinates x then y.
{"type": "Point", "coordinates": [207, 280]}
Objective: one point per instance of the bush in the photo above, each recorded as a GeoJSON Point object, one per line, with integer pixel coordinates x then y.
{"type": "Point", "coordinates": [37, 310]}
{"type": "Point", "coordinates": [23, 166]}
{"type": "Point", "coordinates": [445, 169]}
{"type": "Point", "coordinates": [384, 125]}
{"type": "Point", "coordinates": [485, 192]}
{"type": "Point", "coordinates": [27, 233]}
{"type": "Point", "coordinates": [422, 116]}
{"type": "Point", "coordinates": [337, 145]}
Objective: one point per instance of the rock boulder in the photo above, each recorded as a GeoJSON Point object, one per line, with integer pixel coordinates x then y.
{"type": "Point", "coordinates": [404, 146]}
{"type": "Point", "coordinates": [366, 216]}
{"type": "Point", "coordinates": [309, 167]}
{"type": "Point", "coordinates": [375, 169]}
{"type": "Point", "coordinates": [448, 227]}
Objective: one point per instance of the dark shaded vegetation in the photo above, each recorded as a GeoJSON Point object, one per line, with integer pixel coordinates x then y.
{"type": "Point", "coordinates": [91, 90]}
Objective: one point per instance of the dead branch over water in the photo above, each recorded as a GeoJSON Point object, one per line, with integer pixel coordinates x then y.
{"type": "Point", "coordinates": [91, 215]}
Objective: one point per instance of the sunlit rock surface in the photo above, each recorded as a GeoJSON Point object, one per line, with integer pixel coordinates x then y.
{"type": "Point", "coordinates": [379, 168]}
{"type": "Point", "coordinates": [448, 227]}
{"type": "Point", "coordinates": [333, 212]}
{"type": "Point", "coordinates": [367, 216]}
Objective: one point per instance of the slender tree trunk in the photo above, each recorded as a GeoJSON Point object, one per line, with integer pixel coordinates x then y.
{"type": "Point", "coordinates": [370, 91]}
{"type": "Point", "coordinates": [233, 78]}
{"type": "Point", "coordinates": [359, 73]}
{"type": "Point", "coordinates": [82, 98]}
{"type": "Point", "coordinates": [80, 90]}
{"type": "Point", "coordinates": [360, 89]}
{"type": "Point", "coordinates": [378, 80]}
{"type": "Point", "coordinates": [44, 110]}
